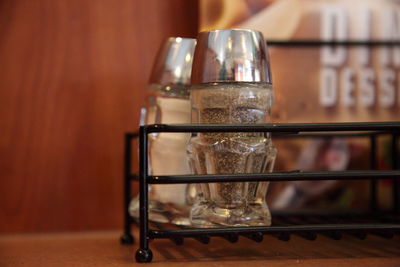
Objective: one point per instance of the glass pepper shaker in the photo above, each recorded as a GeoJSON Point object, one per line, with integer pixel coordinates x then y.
{"type": "Point", "coordinates": [231, 84]}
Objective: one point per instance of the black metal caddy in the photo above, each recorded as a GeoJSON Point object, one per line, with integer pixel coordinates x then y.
{"type": "Point", "coordinates": [308, 225]}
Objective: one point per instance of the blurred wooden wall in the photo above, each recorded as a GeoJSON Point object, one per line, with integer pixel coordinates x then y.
{"type": "Point", "coordinates": [72, 76]}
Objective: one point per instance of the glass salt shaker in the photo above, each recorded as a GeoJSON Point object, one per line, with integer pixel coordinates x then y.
{"type": "Point", "coordinates": [231, 84]}
{"type": "Point", "coordinates": [168, 103]}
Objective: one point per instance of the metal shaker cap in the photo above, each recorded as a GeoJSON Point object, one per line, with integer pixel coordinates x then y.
{"type": "Point", "coordinates": [232, 55]}
{"type": "Point", "coordinates": [173, 63]}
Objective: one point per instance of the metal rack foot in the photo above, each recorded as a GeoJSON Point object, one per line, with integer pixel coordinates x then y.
{"type": "Point", "coordinates": [127, 239]}
{"type": "Point", "coordinates": [144, 255]}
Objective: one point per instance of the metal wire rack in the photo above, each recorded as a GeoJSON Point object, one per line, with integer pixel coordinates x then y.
{"type": "Point", "coordinates": [306, 225]}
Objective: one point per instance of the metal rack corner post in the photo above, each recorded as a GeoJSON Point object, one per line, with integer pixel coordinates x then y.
{"type": "Point", "coordinates": [144, 253]}
{"type": "Point", "coordinates": [127, 237]}
{"type": "Point", "coordinates": [309, 232]}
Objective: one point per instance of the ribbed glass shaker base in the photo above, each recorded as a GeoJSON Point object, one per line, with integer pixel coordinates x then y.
{"type": "Point", "coordinates": [257, 212]}
{"type": "Point", "coordinates": [160, 212]}
{"type": "Point", "coordinates": [231, 204]}
{"type": "Point", "coordinates": [231, 153]}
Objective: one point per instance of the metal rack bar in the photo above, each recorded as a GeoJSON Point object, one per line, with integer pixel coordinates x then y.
{"type": "Point", "coordinates": [313, 43]}
{"type": "Point", "coordinates": [330, 135]}
{"type": "Point", "coordinates": [273, 177]}
{"type": "Point", "coordinates": [274, 128]}
{"type": "Point", "coordinates": [395, 181]}
{"type": "Point", "coordinates": [293, 229]}
{"type": "Point", "coordinates": [372, 165]}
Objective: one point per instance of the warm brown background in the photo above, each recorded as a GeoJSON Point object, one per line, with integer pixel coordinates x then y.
{"type": "Point", "coordinates": [72, 75]}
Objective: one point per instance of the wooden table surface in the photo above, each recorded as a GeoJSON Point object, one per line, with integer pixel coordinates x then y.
{"type": "Point", "coordinates": [103, 249]}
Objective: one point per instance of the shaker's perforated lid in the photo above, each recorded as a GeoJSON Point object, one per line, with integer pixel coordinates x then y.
{"type": "Point", "coordinates": [232, 55]}
{"type": "Point", "coordinates": [173, 63]}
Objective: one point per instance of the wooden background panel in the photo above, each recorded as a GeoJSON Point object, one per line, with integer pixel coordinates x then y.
{"type": "Point", "coordinates": [72, 79]}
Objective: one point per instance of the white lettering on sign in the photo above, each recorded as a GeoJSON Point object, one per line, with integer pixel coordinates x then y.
{"type": "Point", "coordinates": [364, 34]}
{"type": "Point", "coordinates": [366, 80]}
{"type": "Point", "coordinates": [347, 84]}
{"type": "Point", "coordinates": [364, 84]}
{"type": "Point", "coordinates": [333, 28]}
{"type": "Point", "coordinates": [390, 30]}
{"type": "Point", "coordinates": [387, 92]}
{"type": "Point", "coordinates": [328, 94]}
